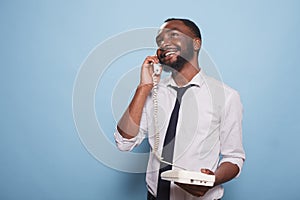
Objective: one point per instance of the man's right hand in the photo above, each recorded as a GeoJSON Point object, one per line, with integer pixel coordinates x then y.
{"type": "Point", "coordinates": [147, 71]}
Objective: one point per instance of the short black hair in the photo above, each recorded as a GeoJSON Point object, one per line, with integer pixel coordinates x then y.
{"type": "Point", "coordinates": [192, 26]}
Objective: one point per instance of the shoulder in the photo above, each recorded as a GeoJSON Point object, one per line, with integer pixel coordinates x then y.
{"type": "Point", "coordinates": [220, 92]}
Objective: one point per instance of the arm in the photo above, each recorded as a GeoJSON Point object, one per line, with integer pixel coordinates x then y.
{"type": "Point", "coordinates": [226, 172]}
{"type": "Point", "coordinates": [129, 123]}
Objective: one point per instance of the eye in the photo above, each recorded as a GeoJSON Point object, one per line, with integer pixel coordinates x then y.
{"type": "Point", "coordinates": [158, 41]}
{"type": "Point", "coordinates": [174, 34]}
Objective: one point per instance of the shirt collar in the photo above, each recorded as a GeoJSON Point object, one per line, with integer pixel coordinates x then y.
{"type": "Point", "coordinates": [198, 80]}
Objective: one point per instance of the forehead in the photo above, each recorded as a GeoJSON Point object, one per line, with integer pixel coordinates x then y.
{"type": "Point", "coordinates": [175, 25]}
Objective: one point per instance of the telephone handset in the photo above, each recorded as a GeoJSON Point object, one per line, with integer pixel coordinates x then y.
{"type": "Point", "coordinates": [156, 69]}
{"type": "Point", "coordinates": [182, 175]}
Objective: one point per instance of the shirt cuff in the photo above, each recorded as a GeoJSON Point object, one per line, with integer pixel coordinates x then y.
{"type": "Point", "coordinates": [125, 144]}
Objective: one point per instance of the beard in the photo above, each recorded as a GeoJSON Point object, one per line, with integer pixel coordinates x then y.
{"type": "Point", "coordinates": [175, 66]}
{"type": "Point", "coordinates": [180, 61]}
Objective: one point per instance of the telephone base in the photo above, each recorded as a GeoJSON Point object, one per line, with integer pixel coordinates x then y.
{"type": "Point", "coordinates": [188, 177]}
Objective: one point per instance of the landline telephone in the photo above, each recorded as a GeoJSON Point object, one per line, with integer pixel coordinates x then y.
{"type": "Point", "coordinates": [180, 175]}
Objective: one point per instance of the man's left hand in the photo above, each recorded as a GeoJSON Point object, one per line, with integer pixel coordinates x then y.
{"type": "Point", "coordinates": [196, 190]}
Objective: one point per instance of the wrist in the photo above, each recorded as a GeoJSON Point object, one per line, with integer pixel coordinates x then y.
{"type": "Point", "coordinates": [145, 87]}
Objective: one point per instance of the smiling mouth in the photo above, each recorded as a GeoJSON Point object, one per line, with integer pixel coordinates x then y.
{"type": "Point", "coordinates": [169, 52]}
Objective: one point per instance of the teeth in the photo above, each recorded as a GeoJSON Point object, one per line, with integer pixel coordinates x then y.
{"type": "Point", "coordinates": [169, 53]}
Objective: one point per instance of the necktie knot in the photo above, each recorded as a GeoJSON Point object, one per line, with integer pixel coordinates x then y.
{"type": "Point", "coordinates": [181, 90]}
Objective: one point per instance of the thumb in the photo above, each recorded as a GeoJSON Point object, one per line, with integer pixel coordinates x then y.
{"type": "Point", "coordinates": [207, 171]}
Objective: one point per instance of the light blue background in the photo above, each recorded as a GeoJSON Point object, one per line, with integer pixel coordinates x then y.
{"type": "Point", "coordinates": [255, 45]}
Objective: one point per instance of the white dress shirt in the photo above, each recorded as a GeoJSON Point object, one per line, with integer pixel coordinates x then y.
{"type": "Point", "coordinates": [209, 131]}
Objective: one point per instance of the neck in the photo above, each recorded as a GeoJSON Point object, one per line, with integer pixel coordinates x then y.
{"type": "Point", "coordinates": [187, 72]}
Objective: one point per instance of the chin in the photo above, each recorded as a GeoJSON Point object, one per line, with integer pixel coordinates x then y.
{"type": "Point", "coordinates": [175, 65]}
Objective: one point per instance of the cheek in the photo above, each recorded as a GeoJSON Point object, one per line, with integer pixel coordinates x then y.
{"type": "Point", "coordinates": [187, 47]}
{"type": "Point", "coordinates": [190, 45]}
{"type": "Point", "coordinates": [186, 43]}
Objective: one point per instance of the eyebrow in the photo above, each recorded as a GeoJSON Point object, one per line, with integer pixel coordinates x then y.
{"type": "Point", "coordinates": [167, 31]}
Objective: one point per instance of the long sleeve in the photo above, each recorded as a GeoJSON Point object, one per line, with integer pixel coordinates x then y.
{"type": "Point", "coordinates": [231, 131]}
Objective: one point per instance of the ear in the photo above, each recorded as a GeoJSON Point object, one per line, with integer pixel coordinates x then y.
{"type": "Point", "coordinates": [197, 44]}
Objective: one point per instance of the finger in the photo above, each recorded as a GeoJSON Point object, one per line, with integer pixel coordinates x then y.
{"type": "Point", "coordinates": [156, 59]}
{"type": "Point", "coordinates": [151, 60]}
{"type": "Point", "coordinates": [207, 171]}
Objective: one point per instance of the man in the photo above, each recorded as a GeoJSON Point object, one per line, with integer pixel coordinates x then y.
{"type": "Point", "coordinates": [207, 135]}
